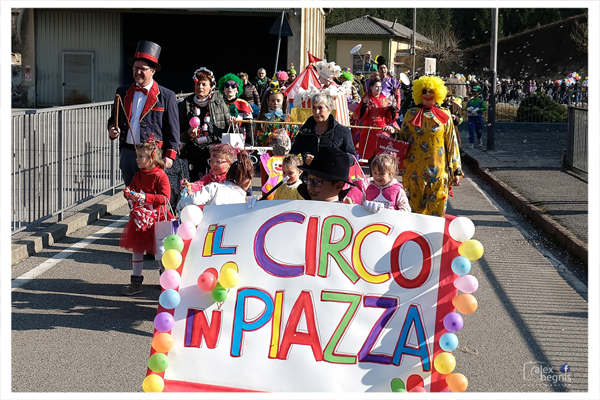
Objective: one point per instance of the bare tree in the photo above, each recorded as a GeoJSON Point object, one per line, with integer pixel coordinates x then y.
{"type": "Point", "coordinates": [445, 46]}
{"type": "Point", "coordinates": [579, 34]}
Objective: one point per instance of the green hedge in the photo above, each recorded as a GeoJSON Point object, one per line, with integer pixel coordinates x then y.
{"type": "Point", "coordinates": [540, 107]}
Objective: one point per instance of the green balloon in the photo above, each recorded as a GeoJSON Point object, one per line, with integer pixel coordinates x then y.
{"type": "Point", "coordinates": [219, 294]}
{"type": "Point", "coordinates": [398, 386]}
{"type": "Point", "coordinates": [173, 242]}
{"type": "Point", "coordinates": [158, 362]}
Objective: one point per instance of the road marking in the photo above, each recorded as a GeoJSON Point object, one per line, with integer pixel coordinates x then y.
{"type": "Point", "coordinates": [51, 262]}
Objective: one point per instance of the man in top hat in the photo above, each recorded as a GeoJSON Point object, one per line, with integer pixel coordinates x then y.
{"type": "Point", "coordinates": [327, 175]}
{"type": "Point", "coordinates": [150, 109]}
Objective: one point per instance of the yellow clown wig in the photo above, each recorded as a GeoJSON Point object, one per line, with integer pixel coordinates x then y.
{"type": "Point", "coordinates": [429, 82]}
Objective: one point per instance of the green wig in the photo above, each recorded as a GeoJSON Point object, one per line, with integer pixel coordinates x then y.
{"type": "Point", "coordinates": [231, 77]}
{"type": "Point", "coordinates": [429, 82]}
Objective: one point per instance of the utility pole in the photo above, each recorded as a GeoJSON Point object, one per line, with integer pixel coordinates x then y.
{"type": "Point", "coordinates": [414, 43]}
{"type": "Point", "coordinates": [279, 41]}
{"type": "Point", "coordinates": [493, 77]}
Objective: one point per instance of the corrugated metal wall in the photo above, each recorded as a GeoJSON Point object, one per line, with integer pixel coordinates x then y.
{"type": "Point", "coordinates": [65, 30]}
{"type": "Point", "coordinates": [313, 34]}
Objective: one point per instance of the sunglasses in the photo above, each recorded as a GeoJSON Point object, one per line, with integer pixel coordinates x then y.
{"type": "Point", "coordinates": [216, 162]}
{"type": "Point", "coordinates": [232, 85]}
{"type": "Point", "coordinates": [315, 182]}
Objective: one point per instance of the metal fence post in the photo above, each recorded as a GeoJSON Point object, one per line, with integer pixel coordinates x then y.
{"type": "Point", "coordinates": [60, 165]}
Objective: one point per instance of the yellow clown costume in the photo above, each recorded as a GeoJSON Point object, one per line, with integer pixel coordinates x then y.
{"type": "Point", "coordinates": [433, 158]}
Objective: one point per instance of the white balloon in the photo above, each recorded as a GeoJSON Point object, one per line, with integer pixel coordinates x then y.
{"type": "Point", "coordinates": [192, 214]}
{"type": "Point", "coordinates": [461, 229]}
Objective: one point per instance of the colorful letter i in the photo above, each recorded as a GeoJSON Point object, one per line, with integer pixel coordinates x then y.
{"type": "Point", "coordinates": [276, 331]}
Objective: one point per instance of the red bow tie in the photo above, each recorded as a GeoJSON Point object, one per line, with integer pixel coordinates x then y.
{"type": "Point", "coordinates": [141, 89]}
{"type": "Point", "coordinates": [418, 119]}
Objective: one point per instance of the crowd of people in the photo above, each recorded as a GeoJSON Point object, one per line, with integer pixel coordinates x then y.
{"type": "Point", "coordinates": [175, 154]}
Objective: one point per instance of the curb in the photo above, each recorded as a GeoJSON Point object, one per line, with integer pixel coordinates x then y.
{"type": "Point", "coordinates": [561, 234]}
{"type": "Point", "coordinates": [38, 241]}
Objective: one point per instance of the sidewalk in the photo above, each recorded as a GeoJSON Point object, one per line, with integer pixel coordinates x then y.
{"type": "Point", "coordinates": [525, 167]}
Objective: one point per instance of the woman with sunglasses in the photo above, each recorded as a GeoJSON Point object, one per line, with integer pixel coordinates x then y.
{"type": "Point", "coordinates": [230, 87]}
{"type": "Point", "coordinates": [208, 106]}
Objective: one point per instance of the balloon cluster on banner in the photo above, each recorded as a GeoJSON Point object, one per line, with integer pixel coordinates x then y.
{"type": "Point", "coordinates": [170, 280]}
{"type": "Point", "coordinates": [219, 283]}
{"type": "Point", "coordinates": [462, 230]}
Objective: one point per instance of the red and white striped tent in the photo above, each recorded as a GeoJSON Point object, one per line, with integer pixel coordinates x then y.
{"type": "Point", "coordinates": [307, 78]}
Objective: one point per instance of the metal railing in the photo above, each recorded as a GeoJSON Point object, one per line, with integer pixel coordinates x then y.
{"type": "Point", "coordinates": [61, 157]}
{"type": "Point", "coordinates": [577, 145]}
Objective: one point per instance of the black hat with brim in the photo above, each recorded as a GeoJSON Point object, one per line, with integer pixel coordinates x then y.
{"type": "Point", "coordinates": [147, 51]}
{"type": "Point", "coordinates": [330, 164]}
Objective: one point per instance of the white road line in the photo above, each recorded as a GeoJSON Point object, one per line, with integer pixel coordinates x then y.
{"type": "Point", "coordinates": [51, 262]}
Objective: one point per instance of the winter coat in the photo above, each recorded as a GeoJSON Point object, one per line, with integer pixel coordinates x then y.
{"type": "Point", "coordinates": [336, 135]}
{"type": "Point", "coordinates": [250, 94]}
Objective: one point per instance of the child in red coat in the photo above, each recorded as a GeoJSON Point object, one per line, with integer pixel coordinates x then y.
{"type": "Point", "coordinates": [148, 196]}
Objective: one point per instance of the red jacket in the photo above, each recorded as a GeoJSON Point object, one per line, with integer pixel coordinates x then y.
{"type": "Point", "coordinates": [155, 184]}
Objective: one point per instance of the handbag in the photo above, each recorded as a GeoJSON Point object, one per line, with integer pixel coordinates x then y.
{"type": "Point", "coordinates": [234, 137]}
{"type": "Point", "coordinates": [162, 229]}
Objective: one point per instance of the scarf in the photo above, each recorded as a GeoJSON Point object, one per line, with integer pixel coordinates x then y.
{"type": "Point", "coordinates": [201, 102]}
{"type": "Point", "coordinates": [261, 82]}
{"type": "Point", "coordinates": [439, 114]}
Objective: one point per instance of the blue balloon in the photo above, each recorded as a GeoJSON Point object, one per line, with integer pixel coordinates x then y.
{"type": "Point", "coordinates": [449, 342]}
{"type": "Point", "coordinates": [461, 265]}
{"type": "Point", "coordinates": [169, 299]}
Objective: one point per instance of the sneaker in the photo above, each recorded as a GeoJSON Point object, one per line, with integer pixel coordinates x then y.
{"type": "Point", "coordinates": [135, 287]}
{"type": "Point", "coordinates": [471, 145]}
{"type": "Point", "coordinates": [479, 143]}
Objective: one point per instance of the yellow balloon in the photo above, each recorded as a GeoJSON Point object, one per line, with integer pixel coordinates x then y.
{"type": "Point", "coordinates": [153, 383]}
{"type": "Point", "coordinates": [171, 259]}
{"type": "Point", "coordinates": [465, 303]}
{"type": "Point", "coordinates": [230, 264]}
{"type": "Point", "coordinates": [457, 382]}
{"type": "Point", "coordinates": [444, 363]}
{"type": "Point", "coordinates": [228, 278]}
{"type": "Point", "coordinates": [472, 249]}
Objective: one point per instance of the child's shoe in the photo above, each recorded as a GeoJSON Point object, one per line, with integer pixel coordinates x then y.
{"type": "Point", "coordinates": [135, 287]}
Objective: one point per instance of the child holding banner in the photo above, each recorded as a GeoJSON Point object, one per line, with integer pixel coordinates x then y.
{"type": "Point", "coordinates": [384, 191]}
{"type": "Point", "coordinates": [149, 187]}
{"type": "Point", "coordinates": [289, 191]}
{"type": "Point", "coordinates": [221, 158]}
{"type": "Point", "coordinates": [231, 191]}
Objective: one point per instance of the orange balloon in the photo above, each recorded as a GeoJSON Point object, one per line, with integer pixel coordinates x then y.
{"type": "Point", "coordinates": [465, 303]}
{"type": "Point", "coordinates": [457, 382]}
{"type": "Point", "coordinates": [162, 342]}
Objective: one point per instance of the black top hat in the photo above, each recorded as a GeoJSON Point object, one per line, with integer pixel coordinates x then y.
{"type": "Point", "coordinates": [380, 60]}
{"type": "Point", "coordinates": [331, 164]}
{"type": "Point", "coordinates": [147, 51]}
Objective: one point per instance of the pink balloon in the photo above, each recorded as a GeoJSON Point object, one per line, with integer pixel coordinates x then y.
{"type": "Point", "coordinates": [207, 281]}
{"type": "Point", "coordinates": [170, 279]}
{"type": "Point", "coordinates": [418, 389]}
{"type": "Point", "coordinates": [186, 231]}
{"type": "Point", "coordinates": [195, 122]}
{"type": "Point", "coordinates": [466, 283]}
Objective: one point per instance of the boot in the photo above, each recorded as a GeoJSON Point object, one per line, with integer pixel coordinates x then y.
{"type": "Point", "coordinates": [135, 287]}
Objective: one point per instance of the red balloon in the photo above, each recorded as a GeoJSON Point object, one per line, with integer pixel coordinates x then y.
{"type": "Point", "coordinates": [214, 272]}
{"type": "Point", "coordinates": [207, 281]}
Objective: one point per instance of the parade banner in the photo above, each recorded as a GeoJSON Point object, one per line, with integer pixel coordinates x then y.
{"type": "Point", "coordinates": [305, 296]}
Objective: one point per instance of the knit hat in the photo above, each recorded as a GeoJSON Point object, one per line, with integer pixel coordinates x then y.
{"type": "Point", "coordinates": [292, 69]}
{"type": "Point", "coordinates": [331, 164]}
{"type": "Point", "coordinates": [347, 73]}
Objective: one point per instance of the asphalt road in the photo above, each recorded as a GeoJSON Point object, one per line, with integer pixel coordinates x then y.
{"type": "Point", "coordinates": [73, 332]}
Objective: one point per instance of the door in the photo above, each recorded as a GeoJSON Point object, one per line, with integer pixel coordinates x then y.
{"type": "Point", "coordinates": [78, 73]}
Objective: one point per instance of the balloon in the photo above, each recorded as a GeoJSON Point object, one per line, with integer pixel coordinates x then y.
{"type": "Point", "coordinates": [170, 279]}
{"type": "Point", "coordinates": [229, 278]}
{"type": "Point", "coordinates": [397, 386]}
{"type": "Point", "coordinates": [171, 259]}
{"type": "Point", "coordinates": [158, 362]}
{"type": "Point", "coordinates": [207, 281]}
{"type": "Point", "coordinates": [466, 284]}
{"type": "Point", "coordinates": [449, 341]}
{"type": "Point", "coordinates": [192, 214]}
{"type": "Point", "coordinates": [472, 249]}
{"type": "Point", "coordinates": [195, 122]}
{"type": "Point", "coordinates": [418, 389]}
{"type": "Point", "coordinates": [153, 383]}
{"type": "Point", "coordinates": [461, 229]}
{"type": "Point", "coordinates": [444, 363]}
{"type": "Point", "coordinates": [162, 342]}
{"type": "Point", "coordinates": [169, 299]}
{"type": "Point", "coordinates": [465, 303]}
{"type": "Point", "coordinates": [164, 322]}
{"type": "Point", "coordinates": [186, 231]}
{"type": "Point", "coordinates": [453, 322]}
{"type": "Point", "coordinates": [457, 382]}
{"type": "Point", "coordinates": [219, 294]}
{"type": "Point", "coordinates": [230, 264]}
{"type": "Point", "coordinates": [461, 265]}
{"type": "Point", "coordinates": [173, 242]}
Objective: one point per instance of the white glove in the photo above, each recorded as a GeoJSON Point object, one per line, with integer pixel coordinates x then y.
{"type": "Point", "coordinates": [476, 109]}
{"type": "Point", "coordinates": [373, 206]}
{"type": "Point", "coordinates": [251, 202]}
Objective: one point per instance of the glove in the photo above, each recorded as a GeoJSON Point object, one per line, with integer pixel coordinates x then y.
{"type": "Point", "coordinates": [372, 206]}
{"type": "Point", "coordinates": [476, 109]}
{"type": "Point", "coordinates": [251, 202]}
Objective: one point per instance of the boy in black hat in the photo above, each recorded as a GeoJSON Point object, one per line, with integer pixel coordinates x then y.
{"type": "Point", "coordinates": [327, 174]}
{"type": "Point", "coordinates": [151, 109]}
